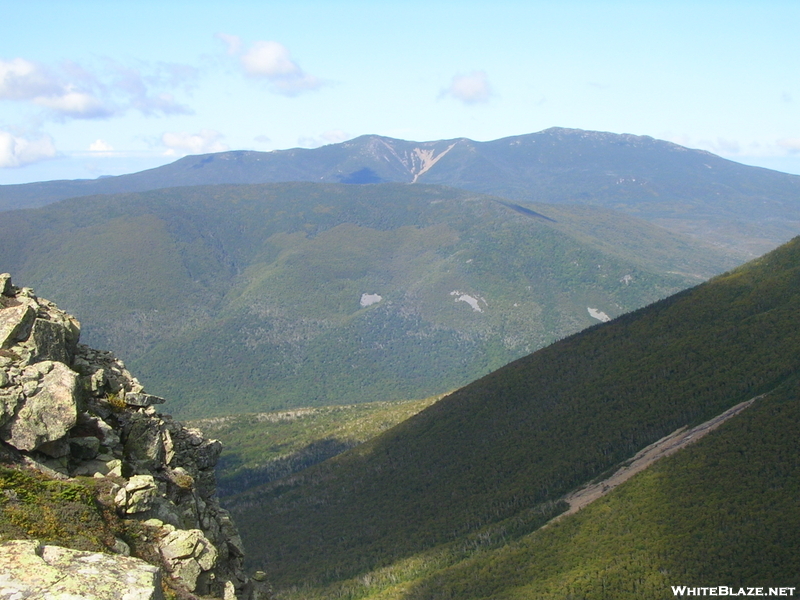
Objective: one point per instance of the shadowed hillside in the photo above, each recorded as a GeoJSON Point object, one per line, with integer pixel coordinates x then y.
{"type": "Point", "coordinates": [510, 444]}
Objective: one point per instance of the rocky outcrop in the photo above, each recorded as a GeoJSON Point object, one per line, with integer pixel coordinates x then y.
{"type": "Point", "coordinates": [30, 570]}
{"type": "Point", "coordinates": [69, 410]}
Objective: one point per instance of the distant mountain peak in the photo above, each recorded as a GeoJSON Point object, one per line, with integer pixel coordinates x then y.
{"type": "Point", "coordinates": [746, 209]}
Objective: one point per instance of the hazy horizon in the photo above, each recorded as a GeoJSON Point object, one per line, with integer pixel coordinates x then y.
{"type": "Point", "coordinates": [93, 88]}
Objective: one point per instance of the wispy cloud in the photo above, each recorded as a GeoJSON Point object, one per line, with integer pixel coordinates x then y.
{"type": "Point", "coordinates": [334, 136]}
{"type": "Point", "coordinates": [233, 42]}
{"type": "Point", "coordinates": [72, 92]}
{"type": "Point", "coordinates": [143, 93]}
{"type": "Point", "coordinates": [726, 146]}
{"type": "Point", "coordinates": [181, 143]}
{"type": "Point", "coordinates": [473, 88]}
{"type": "Point", "coordinates": [19, 151]}
{"type": "Point", "coordinates": [791, 145]}
{"type": "Point", "coordinates": [272, 62]}
{"type": "Point", "coordinates": [26, 81]}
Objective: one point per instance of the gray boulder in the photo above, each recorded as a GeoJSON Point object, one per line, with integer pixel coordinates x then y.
{"type": "Point", "coordinates": [47, 340]}
{"type": "Point", "coordinates": [189, 556]}
{"type": "Point", "coordinates": [6, 289]}
{"type": "Point", "coordinates": [49, 411]}
{"type": "Point", "coordinates": [138, 494]}
{"type": "Point", "coordinates": [15, 323]}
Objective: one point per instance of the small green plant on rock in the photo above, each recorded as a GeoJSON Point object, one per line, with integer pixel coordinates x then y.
{"type": "Point", "coordinates": [116, 401]}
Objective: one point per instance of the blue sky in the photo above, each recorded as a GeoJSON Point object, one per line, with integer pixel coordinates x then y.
{"type": "Point", "coordinates": [104, 88]}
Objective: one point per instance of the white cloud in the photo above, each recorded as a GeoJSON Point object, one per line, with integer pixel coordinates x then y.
{"type": "Point", "coordinates": [272, 61]}
{"type": "Point", "coordinates": [18, 151]}
{"type": "Point", "coordinates": [792, 145]}
{"type": "Point", "coordinates": [262, 139]}
{"type": "Point", "coordinates": [473, 88]}
{"type": "Point", "coordinates": [101, 148]}
{"type": "Point", "coordinates": [183, 143]}
{"type": "Point", "coordinates": [75, 93]}
{"type": "Point", "coordinates": [78, 105]}
{"type": "Point", "coordinates": [22, 79]}
{"type": "Point", "coordinates": [26, 81]}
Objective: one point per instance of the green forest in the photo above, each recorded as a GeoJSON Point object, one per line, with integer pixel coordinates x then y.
{"type": "Point", "coordinates": [507, 447]}
{"type": "Point", "coordinates": [246, 298]}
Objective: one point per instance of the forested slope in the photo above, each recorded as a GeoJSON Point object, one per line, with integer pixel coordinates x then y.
{"type": "Point", "coordinates": [526, 434]}
{"type": "Point", "coordinates": [722, 512]}
{"type": "Point", "coordinates": [258, 297]}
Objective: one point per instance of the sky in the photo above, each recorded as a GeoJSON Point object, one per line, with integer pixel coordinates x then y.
{"type": "Point", "coordinates": [93, 88]}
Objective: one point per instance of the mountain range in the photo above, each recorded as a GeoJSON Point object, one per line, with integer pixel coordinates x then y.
{"type": "Point", "coordinates": [746, 210]}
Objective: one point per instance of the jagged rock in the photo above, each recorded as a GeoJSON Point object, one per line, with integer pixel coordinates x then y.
{"type": "Point", "coordinates": [138, 494]}
{"type": "Point", "coordinates": [188, 555]}
{"type": "Point", "coordinates": [49, 412]}
{"type": "Point", "coordinates": [6, 289]}
{"type": "Point", "coordinates": [15, 323]}
{"type": "Point", "coordinates": [9, 399]}
{"type": "Point", "coordinates": [142, 400]}
{"type": "Point", "coordinates": [96, 467]}
{"type": "Point", "coordinates": [207, 454]}
{"type": "Point", "coordinates": [30, 570]}
{"type": "Point", "coordinates": [48, 341]}
{"type": "Point", "coordinates": [144, 443]}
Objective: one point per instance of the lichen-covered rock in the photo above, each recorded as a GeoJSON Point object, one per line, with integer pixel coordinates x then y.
{"type": "Point", "coordinates": [69, 410]}
{"type": "Point", "coordinates": [189, 557]}
{"type": "Point", "coordinates": [6, 289]}
{"type": "Point", "coordinates": [144, 444]}
{"type": "Point", "coordinates": [49, 410]}
{"type": "Point", "coordinates": [48, 341]}
{"type": "Point", "coordinates": [138, 494]}
{"type": "Point", "coordinates": [9, 400]}
{"type": "Point", "coordinates": [15, 323]}
{"type": "Point", "coordinates": [30, 570]}
{"type": "Point", "coordinates": [142, 400]}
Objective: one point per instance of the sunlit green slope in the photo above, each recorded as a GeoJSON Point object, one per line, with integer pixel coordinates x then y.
{"type": "Point", "coordinates": [234, 299]}
{"type": "Point", "coordinates": [533, 430]}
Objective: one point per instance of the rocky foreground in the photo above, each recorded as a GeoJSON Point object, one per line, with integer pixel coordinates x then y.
{"type": "Point", "coordinates": [68, 411]}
